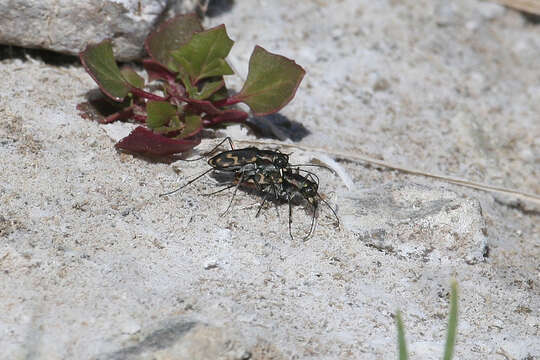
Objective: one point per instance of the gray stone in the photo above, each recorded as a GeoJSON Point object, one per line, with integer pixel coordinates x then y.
{"type": "Point", "coordinates": [68, 25]}
{"type": "Point", "coordinates": [417, 221]}
{"type": "Point", "coordinates": [183, 340]}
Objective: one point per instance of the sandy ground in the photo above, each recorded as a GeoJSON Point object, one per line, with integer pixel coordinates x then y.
{"type": "Point", "coordinates": [95, 265]}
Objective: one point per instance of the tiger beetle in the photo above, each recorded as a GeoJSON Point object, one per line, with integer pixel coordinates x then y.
{"type": "Point", "coordinates": [247, 161]}
{"type": "Point", "coordinates": [270, 173]}
{"type": "Point", "coordinates": [287, 187]}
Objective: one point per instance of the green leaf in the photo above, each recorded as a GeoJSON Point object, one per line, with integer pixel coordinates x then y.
{"type": "Point", "coordinates": [132, 77]}
{"type": "Point", "coordinates": [174, 125]}
{"type": "Point", "coordinates": [98, 60]}
{"type": "Point", "coordinates": [192, 125]}
{"type": "Point", "coordinates": [402, 346]}
{"type": "Point", "coordinates": [184, 78]}
{"type": "Point", "coordinates": [159, 113]}
{"type": "Point", "coordinates": [452, 323]}
{"type": "Point", "coordinates": [204, 55]}
{"type": "Point", "coordinates": [271, 82]}
{"type": "Point", "coordinates": [221, 94]}
{"type": "Point", "coordinates": [208, 89]}
{"type": "Point", "coordinates": [170, 36]}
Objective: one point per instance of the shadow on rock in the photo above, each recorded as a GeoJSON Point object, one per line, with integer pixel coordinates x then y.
{"type": "Point", "coordinates": [531, 18]}
{"type": "Point", "coordinates": [278, 126]}
{"type": "Point", "coordinates": [47, 56]}
{"type": "Point", "coordinates": [97, 107]}
{"type": "Point", "coordinates": [218, 7]}
{"type": "Point", "coordinates": [159, 339]}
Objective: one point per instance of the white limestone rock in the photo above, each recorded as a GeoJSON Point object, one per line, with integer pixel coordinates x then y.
{"type": "Point", "coordinates": [418, 221]}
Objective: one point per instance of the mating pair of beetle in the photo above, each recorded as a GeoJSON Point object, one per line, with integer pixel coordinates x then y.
{"type": "Point", "coordinates": [270, 173]}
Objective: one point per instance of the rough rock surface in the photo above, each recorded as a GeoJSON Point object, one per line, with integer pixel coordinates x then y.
{"type": "Point", "coordinates": [94, 263]}
{"type": "Point", "coordinates": [68, 25]}
{"type": "Point", "coordinates": [411, 220]}
{"type": "Point", "coordinates": [182, 340]}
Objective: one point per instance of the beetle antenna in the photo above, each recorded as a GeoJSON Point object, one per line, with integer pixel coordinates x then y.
{"type": "Point", "coordinates": [315, 165]}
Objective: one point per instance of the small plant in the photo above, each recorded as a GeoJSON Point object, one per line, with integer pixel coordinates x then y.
{"type": "Point", "coordinates": [450, 335]}
{"type": "Point", "coordinates": [189, 63]}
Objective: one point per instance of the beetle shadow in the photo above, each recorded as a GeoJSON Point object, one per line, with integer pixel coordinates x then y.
{"type": "Point", "coordinates": [225, 180]}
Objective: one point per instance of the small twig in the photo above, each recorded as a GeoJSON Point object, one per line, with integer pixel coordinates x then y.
{"type": "Point", "coordinates": [531, 6]}
{"type": "Point", "coordinates": [453, 180]}
{"type": "Point", "coordinates": [502, 352]}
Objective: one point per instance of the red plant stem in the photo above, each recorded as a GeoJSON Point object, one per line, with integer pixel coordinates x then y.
{"type": "Point", "coordinates": [155, 67]}
{"type": "Point", "coordinates": [227, 102]}
{"type": "Point", "coordinates": [208, 123]}
{"type": "Point", "coordinates": [140, 118]}
{"type": "Point", "coordinates": [239, 118]}
{"type": "Point", "coordinates": [120, 115]}
{"type": "Point", "coordinates": [147, 95]}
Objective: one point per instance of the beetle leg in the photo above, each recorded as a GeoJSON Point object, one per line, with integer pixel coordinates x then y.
{"type": "Point", "coordinates": [290, 217]}
{"type": "Point", "coordinates": [331, 209]}
{"type": "Point", "coordinates": [189, 182]}
{"type": "Point", "coordinates": [206, 154]}
{"type": "Point", "coordinates": [220, 190]}
{"type": "Point", "coordinates": [312, 228]}
{"type": "Point", "coordinates": [262, 204]}
{"type": "Point", "coordinates": [234, 194]}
